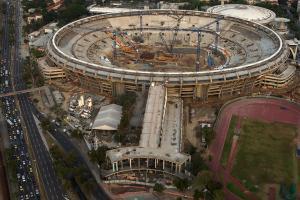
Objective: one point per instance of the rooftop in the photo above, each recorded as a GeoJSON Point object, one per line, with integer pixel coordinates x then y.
{"type": "Point", "coordinates": [42, 40]}
{"type": "Point", "coordinates": [97, 9]}
{"type": "Point", "coordinates": [139, 152]}
{"type": "Point", "coordinates": [247, 12]}
{"type": "Point", "coordinates": [108, 118]}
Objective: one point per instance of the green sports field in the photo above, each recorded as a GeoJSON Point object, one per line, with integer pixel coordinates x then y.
{"type": "Point", "coordinates": [266, 154]}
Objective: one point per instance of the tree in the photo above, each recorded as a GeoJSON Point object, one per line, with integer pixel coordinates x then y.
{"type": "Point", "coordinates": [158, 187]}
{"type": "Point", "coordinates": [89, 185]}
{"type": "Point", "coordinates": [204, 178]}
{"type": "Point", "coordinates": [197, 194]}
{"type": "Point", "coordinates": [218, 195]}
{"type": "Point", "coordinates": [76, 133]}
{"type": "Point", "coordinates": [127, 100]}
{"type": "Point", "coordinates": [192, 150]}
{"type": "Point", "coordinates": [197, 164]}
{"type": "Point", "coordinates": [239, 2]}
{"type": "Point", "coordinates": [282, 2]}
{"type": "Point", "coordinates": [192, 5]}
{"type": "Point", "coordinates": [71, 12]}
{"type": "Point", "coordinates": [45, 124]}
{"type": "Point", "coordinates": [98, 156]}
{"type": "Point", "coordinates": [71, 158]}
{"type": "Point", "coordinates": [119, 137]}
{"type": "Point", "coordinates": [181, 184]}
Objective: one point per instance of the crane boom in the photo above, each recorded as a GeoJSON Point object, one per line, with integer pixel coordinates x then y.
{"type": "Point", "coordinates": [175, 32]}
{"type": "Point", "coordinates": [202, 28]}
{"type": "Point", "coordinates": [164, 41]}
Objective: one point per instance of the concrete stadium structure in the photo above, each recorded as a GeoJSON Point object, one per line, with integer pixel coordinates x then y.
{"type": "Point", "coordinates": [251, 55]}
{"type": "Point", "coordinates": [50, 73]}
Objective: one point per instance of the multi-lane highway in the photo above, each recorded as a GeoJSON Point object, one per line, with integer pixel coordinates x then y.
{"type": "Point", "coordinates": [14, 82]}
{"type": "Point", "coordinates": [52, 186]}
{"type": "Point", "coordinates": [11, 81]}
{"type": "Point", "coordinates": [27, 188]}
{"type": "Point", "coordinates": [61, 137]}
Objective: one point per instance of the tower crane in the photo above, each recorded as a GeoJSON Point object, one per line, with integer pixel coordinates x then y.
{"type": "Point", "coordinates": [164, 41]}
{"type": "Point", "coordinates": [176, 29]}
{"type": "Point", "coordinates": [199, 30]}
{"type": "Point", "coordinates": [170, 47]}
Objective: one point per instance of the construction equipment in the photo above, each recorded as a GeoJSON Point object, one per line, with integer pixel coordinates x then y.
{"type": "Point", "coordinates": [202, 28]}
{"type": "Point", "coordinates": [210, 60]}
{"type": "Point", "coordinates": [162, 56]}
{"type": "Point", "coordinates": [164, 41]}
{"type": "Point", "coordinates": [178, 18]}
{"type": "Point", "coordinates": [176, 29]}
{"type": "Point", "coordinates": [119, 42]}
{"type": "Point", "coordinates": [119, 39]}
{"type": "Point", "coordinates": [141, 25]}
{"type": "Point", "coordinates": [198, 51]}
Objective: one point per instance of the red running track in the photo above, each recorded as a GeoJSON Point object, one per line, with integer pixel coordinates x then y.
{"type": "Point", "coordinates": [265, 109]}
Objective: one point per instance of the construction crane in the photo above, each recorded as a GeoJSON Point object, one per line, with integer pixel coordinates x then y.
{"type": "Point", "coordinates": [178, 18]}
{"type": "Point", "coordinates": [114, 45]}
{"type": "Point", "coordinates": [141, 25]}
{"type": "Point", "coordinates": [176, 29]}
{"type": "Point", "coordinates": [164, 41]}
{"type": "Point", "coordinates": [198, 49]}
{"type": "Point", "coordinates": [199, 30]}
{"type": "Point", "coordinates": [210, 60]}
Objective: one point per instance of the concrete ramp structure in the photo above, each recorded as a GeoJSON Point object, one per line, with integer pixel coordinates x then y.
{"type": "Point", "coordinates": [154, 115]}
{"type": "Point", "coordinates": [160, 143]}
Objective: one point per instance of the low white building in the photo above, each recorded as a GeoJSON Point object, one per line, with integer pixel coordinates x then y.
{"type": "Point", "coordinates": [34, 18]}
{"type": "Point", "coordinates": [108, 118]}
{"type": "Point", "coordinates": [58, 97]}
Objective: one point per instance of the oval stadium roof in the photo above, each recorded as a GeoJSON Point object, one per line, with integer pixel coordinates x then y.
{"type": "Point", "coordinates": [247, 12]}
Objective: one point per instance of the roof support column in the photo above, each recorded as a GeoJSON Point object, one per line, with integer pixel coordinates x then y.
{"type": "Point", "coordinates": [163, 164]}
{"type": "Point", "coordinates": [130, 162]}
{"type": "Point", "coordinates": [113, 166]}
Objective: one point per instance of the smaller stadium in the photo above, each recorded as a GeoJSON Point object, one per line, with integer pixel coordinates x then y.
{"type": "Point", "coordinates": [271, 126]}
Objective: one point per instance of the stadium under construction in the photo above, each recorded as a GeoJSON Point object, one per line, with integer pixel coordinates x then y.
{"type": "Point", "coordinates": [193, 54]}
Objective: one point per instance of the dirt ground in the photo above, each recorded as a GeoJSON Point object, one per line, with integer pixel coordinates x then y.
{"type": "Point", "coordinates": [202, 114]}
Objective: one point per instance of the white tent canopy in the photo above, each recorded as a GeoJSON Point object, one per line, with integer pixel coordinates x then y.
{"type": "Point", "coordinates": [108, 118]}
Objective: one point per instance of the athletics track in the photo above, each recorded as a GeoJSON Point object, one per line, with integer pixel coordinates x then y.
{"type": "Point", "coordinates": [265, 109]}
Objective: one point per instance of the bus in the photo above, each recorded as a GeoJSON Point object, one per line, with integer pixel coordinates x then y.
{"type": "Point", "coordinates": [9, 122]}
